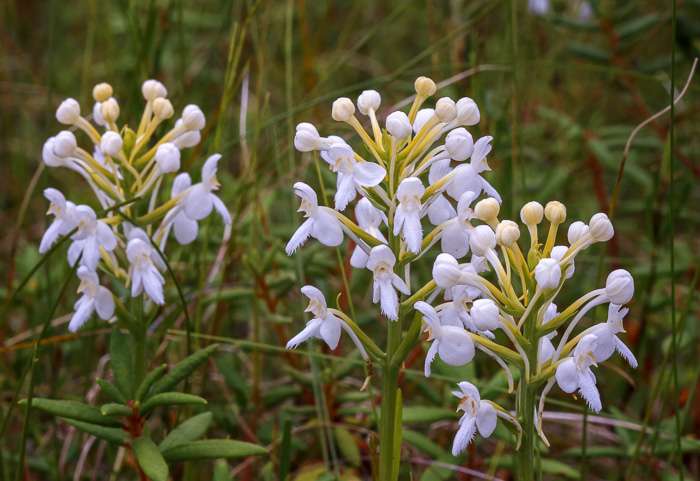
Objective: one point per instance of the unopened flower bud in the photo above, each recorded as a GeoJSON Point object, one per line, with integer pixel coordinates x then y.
{"type": "Point", "coordinates": [531, 213]}
{"type": "Point", "coordinates": [193, 118]}
{"type": "Point", "coordinates": [111, 144]}
{"type": "Point", "coordinates": [101, 92]}
{"type": "Point", "coordinates": [446, 272]}
{"type": "Point", "coordinates": [548, 273]}
{"type": "Point", "coordinates": [343, 109]}
{"type": "Point", "coordinates": [482, 239]}
{"type": "Point", "coordinates": [576, 231]}
{"type": "Point", "coordinates": [425, 87]}
{"type": "Point", "coordinates": [485, 314]}
{"type": "Point", "coordinates": [459, 144]}
{"type": "Point", "coordinates": [162, 108]}
{"type": "Point", "coordinates": [558, 253]}
{"type": "Point", "coordinates": [109, 110]}
{"type": "Point", "coordinates": [369, 99]}
{"type": "Point", "coordinates": [306, 138]}
{"type": "Point", "coordinates": [600, 227]}
{"type": "Point", "coordinates": [467, 112]}
{"type": "Point", "coordinates": [68, 112]}
{"type": "Point", "coordinates": [445, 109]}
{"type": "Point", "coordinates": [153, 89]}
{"type": "Point", "coordinates": [619, 287]}
{"type": "Point", "coordinates": [555, 212]}
{"type": "Point", "coordinates": [65, 144]}
{"type": "Point", "coordinates": [398, 125]}
{"type": "Point", "coordinates": [422, 118]}
{"type": "Point", "coordinates": [507, 233]}
{"type": "Point", "coordinates": [187, 139]}
{"type": "Point", "coordinates": [168, 158]}
{"type": "Point", "coordinates": [487, 209]}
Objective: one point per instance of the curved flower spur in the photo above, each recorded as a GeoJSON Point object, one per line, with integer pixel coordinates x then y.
{"type": "Point", "coordinates": [425, 168]}
{"type": "Point", "coordinates": [121, 169]}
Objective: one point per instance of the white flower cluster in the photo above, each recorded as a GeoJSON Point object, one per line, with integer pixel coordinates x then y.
{"type": "Point", "coordinates": [125, 170]}
{"type": "Point", "coordinates": [407, 182]}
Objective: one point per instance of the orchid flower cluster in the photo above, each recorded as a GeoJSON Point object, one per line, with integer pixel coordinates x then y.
{"type": "Point", "coordinates": [417, 180]}
{"type": "Point", "coordinates": [126, 171]}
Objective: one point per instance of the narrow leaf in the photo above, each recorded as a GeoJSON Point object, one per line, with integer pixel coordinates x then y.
{"type": "Point", "coordinates": [182, 370]}
{"type": "Point", "coordinates": [111, 391]}
{"type": "Point", "coordinates": [113, 435]}
{"type": "Point", "coordinates": [122, 363]}
{"type": "Point", "coordinates": [114, 409]}
{"type": "Point", "coordinates": [170, 398]}
{"type": "Point", "coordinates": [148, 382]}
{"type": "Point", "coordinates": [286, 449]}
{"type": "Point", "coordinates": [190, 430]}
{"type": "Point", "coordinates": [150, 459]}
{"type": "Point", "coordinates": [213, 449]}
{"type": "Point", "coordinates": [73, 410]}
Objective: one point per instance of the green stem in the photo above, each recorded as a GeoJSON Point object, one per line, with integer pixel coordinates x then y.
{"type": "Point", "coordinates": [139, 333]}
{"type": "Point", "coordinates": [387, 426]}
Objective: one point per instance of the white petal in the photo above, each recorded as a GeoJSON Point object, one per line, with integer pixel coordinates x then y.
{"type": "Point", "coordinates": [184, 228]}
{"type": "Point", "coordinates": [389, 300]}
{"type": "Point", "coordinates": [326, 229]}
{"type": "Point", "coordinates": [441, 210]}
{"type": "Point", "coordinates": [346, 191]}
{"type": "Point", "coordinates": [456, 347]}
{"type": "Point", "coordinates": [567, 376]}
{"type": "Point", "coordinates": [299, 237]}
{"type": "Point", "coordinates": [49, 237]}
{"type": "Point", "coordinates": [330, 331]}
{"type": "Point", "coordinates": [413, 232]}
{"type": "Point", "coordinates": [625, 352]}
{"type": "Point", "coordinates": [91, 253]}
{"type": "Point", "coordinates": [359, 258]}
{"type": "Point", "coordinates": [430, 356]}
{"type": "Point", "coordinates": [82, 314]}
{"type": "Point", "coordinates": [311, 330]}
{"type": "Point", "coordinates": [589, 391]}
{"type": "Point", "coordinates": [198, 203]}
{"type": "Point", "coordinates": [106, 236]}
{"type": "Point", "coordinates": [368, 174]}
{"type": "Point", "coordinates": [209, 168]}
{"type": "Point", "coordinates": [486, 419]}
{"type": "Point", "coordinates": [354, 338]}
{"type": "Point", "coordinates": [104, 303]}
{"type": "Point", "coordinates": [455, 241]}
{"type": "Point", "coordinates": [153, 285]}
{"type": "Point", "coordinates": [221, 209]}
{"type": "Point", "coordinates": [400, 285]}
{"type": "Point", "coordinates": [399, 219]}
{"type": "Point", "coordinates": [464, 435]}
{"type": "Point", "coordinates": [490, 191]}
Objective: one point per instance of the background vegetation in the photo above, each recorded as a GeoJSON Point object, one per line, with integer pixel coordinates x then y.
{"type": "Point", "coordinates": [560, 93]}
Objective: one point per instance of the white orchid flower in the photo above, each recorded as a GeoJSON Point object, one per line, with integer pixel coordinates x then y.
{"type": "Point", "coordinates": [546, 348]}
{"type": "Point", "coordinates": [381, 262]}
{"type": "Point", "coordinates": [477, 415]}
{"type": "Point", "coordinates": [456, 312]}
{"type": "Point", "coordinates": [352, 175]}
{"type": "Point", "coordinates": [606, 335]}
{"type": "Point", "coordinates": [143, 272]}
{"type": "Point", "coordinates": [453, 344]}
{"type": "Point", "coordinates": [94, 298]}
{"type": "Point", "coordinates": [63, 222]}
{"type": "Point", "coordinates": [369, 218]}
{"type": "Point", "coordinates": [92, 234]}
{"type": "Point", "coordinates": [575, 372]}
{"type": "Point", "coordinates": [321, 222]}
{"type": "Point", "coordinates": [324, 325]}
{"type": "Point", "coordinates": [455, 237]}
{"type": "Point", "coordinates": [467, 176]}
{"type": "Point", "coordinates": [558, 253]}
{"type": "Point", "coordinates": [408, 213]}
{"type": "Point", "coordinates": [184, 228]}
{"type": "Point", "coordinates": [201, 199]}
{"type": "Point", "coordinates": [440, 209]}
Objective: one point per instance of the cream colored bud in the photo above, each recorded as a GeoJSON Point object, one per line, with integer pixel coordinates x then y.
{"type": "Point", "coordinates": [109, 110]}
{"type": "Point", "coordinates": [619, 287]}
{"type": "Point", "coordinates": [482, 239]}
{"type": "Point", "coordinates": [343, 109]}
{"type": "Point", "coordinates": [467, 112]}
{"type": "Point", "coordinates": [548, 273]}
{"type": "Point", "coordinates": [111, 144]}
{"type": "Point", "coordinates": [65, 144]}
{"type": "Point", "coordinates": [398, 125]}
{"type": "Point", "coordinates": [487, 209]}
{"type": "Point", "coordinates": [153, 89]}
{"type": "Point", "coordinates": [101, 92]}
{"type": "Point", "coordinates": [459, 144]}
{"type": "Point", "coordinates": [507, 233]}
{"type": "Point", "coordinates": [446, 110]}
{"type": "Point", "coordinates": [162, 108]}
{"type": "Point", "coordinates": [193, 118]}
{"type": "Point", "coordinates": [446, 272]}
{"type": "Point", "coordinates": [576, 232]}
{"type": "Point", "coordinates": [425, 87]}
{"type": "Point", "coordinates": [68, 112]}
{"type": "Point", "coordinates": [531, 213]}
{"type": "Point", "coordinates": [369, 99]}
{"type": "Point", "coordinates": [485, 314]}
{"type": "Point", "coordinates": [555, 212]}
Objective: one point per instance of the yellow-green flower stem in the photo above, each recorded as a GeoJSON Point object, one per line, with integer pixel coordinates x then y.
{"type": "Point", "coordinates": [376, 130]}
{"type": "Point", "coordinates": [143, 139]}
{"type": "Point", "coordinates": [514, 331]}
{"type": "Point", "coordinates": [529, 308]}
{"type": "Point", "coordinates": [415, 107]}
{"type": "Point", "coordinates": [145, 118]}
{"type": "Point", "coordinates": [87, 127]}
{"type": "Point", "coordinates": [426, 162]}
{"type": "Point", "coordinates": [495, 292]}
{"type": "Point", "coordinates": [418, 295]}
{"type": "Point", "coordinates": [160, 211]}
{"type": "Point", "coordinates": [392, 167]}
{"type": "Point", "coordinates": [369, 143]}
{"type": "Point", "coordinates": [506, 415]}
{"type": "Point", "coordinates": [86, 156]}
{"type": "Point", "coordinates": [428, 240]}
{"type": "Point", "coordinates": [106, 187]}
{"type": "Point", "coordinates": [369, 345]}
{"type": "Point", "coordinates": [551, 237]}
{"type": "Point", "coordinates": [423, 144]}
{"type": "Point", "coordinates": [506, 354]}
{"type": "Point", "coordinates": [561, 318]}
{"type": "Point", "coordinates": [148, 155]}
{"type": "Point", "coordinates": [577, 247]}
{"type": "Point", "coordinates": [125, 163]}
{"type": "Point", "coordinates": [532, 229]}
{"type": "Point", "coordinates": [546, 373]}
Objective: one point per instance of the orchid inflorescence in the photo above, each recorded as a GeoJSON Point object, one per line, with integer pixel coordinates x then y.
{"type": "Point", "coordinates": [125, 171]}
{"type": "Point", "coordinates": [488, 283]}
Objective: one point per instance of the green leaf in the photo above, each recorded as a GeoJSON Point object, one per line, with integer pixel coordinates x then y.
{"type": "Point", "coordinates": [183, 369]}
{"type": "Point", "coordinates": [427, 415]}
{"type": "Point", "coordinates": [148, 382]}
{"type": "Point", "coordinates": [190, 430]}
{"type": "Point", "coordinates": [213, 449]}
{"type": "Point", "coordinates": [122, 364]}
{"type": "Point", "coordinates": [115, 410]}
{"type": "Point", "coordinates": [170, 398]}
{"type": "Point", "coordinates": [347, 444]}
{"type": "Point", "coordinates": [111, 391]}
{"type": "Point", "coordinates": [590, 53]}
{"type": "Point", "coordinates": [113, 435]}
{"type": "Point", "coordinates": [285, 452]}
{"type": "Point", "coordinates": [398, 424]}
{"type": "Point", "coordinates": [150, 459]}
{"type": "Point", "coordinates": [73, 410]}
{"type": "Point", "coordinates": [637, 26]}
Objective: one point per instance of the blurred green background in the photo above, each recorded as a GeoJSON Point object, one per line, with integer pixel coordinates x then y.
{"type": "Point", "coordinates": [561, 85]}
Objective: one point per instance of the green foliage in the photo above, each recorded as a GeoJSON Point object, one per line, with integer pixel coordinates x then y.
{"type": "Point", "coordinates": [212, 449]}
{"type": "Point", "coordinates": [150, 459]}
{"type": "Point", "coordinates": [181, 370]}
